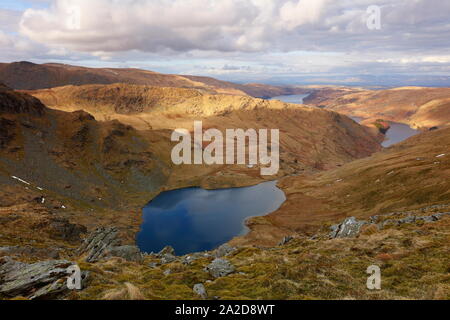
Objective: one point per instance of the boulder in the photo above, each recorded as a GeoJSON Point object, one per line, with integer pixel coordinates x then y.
{"type": "Point", "coordinates": [28, 280]}
{"type": "Point", "coordinates": [167, 250]}
{"type": "Point", "coordinates": [220, 268]}
{"type": "Point", "coordinates": [200, 290]}
{"type": "Point", "coordinates": [168, 258]}
{"type": "Point", "coordinates": [348, 229]}
{"type": "Point", "coordinates": [223, 251]}
{"type": "Point", "coordinates": [129, 253]}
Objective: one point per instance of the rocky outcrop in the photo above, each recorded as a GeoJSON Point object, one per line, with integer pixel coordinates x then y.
{"type": "Point", "coordinates": [18, 102]}
{"type": "Point", "coordinates": [166, 250]}
{"type": "Point", "coordinates": [104, 243]}
{"type": "Point", "coordinates": [351, 227]}
{"type": "Point", "coordinates": [129, 253]}
{"type": "Point", "coordinates": [98, 243]}
{"type": "Point", "coordinates": [223, 251]}
{"type": "Point", "coordinates": [220, 268]}
{"type": "Point", "coordinates": [41, 280]}
{"type": "Point", "coordinates": [348, 229]}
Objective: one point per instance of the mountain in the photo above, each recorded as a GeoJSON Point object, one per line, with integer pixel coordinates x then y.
{"type": "Point", "coordinates": [29, 76]}
{"type": "Point", "coordinates": [110, 169]}
{"type": "Point", "coordinates": [410, 175]}
{"type": "Point", "coordinates": [417, 106]}
{"type": "Point", "coordinates": [144, 108]}
{"type": "Point", "coordinates": [64, 172]}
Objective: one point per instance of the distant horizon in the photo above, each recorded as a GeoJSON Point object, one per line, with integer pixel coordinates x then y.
{"type": "Point", "coordinates": [379, 84]}
{"type": "Point", "coordinates": [387, 43]}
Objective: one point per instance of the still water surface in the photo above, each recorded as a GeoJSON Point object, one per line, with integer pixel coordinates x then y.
{"type": "Point", "coordinates": [194, 219]}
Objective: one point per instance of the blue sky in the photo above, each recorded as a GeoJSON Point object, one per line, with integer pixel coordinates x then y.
{"type": "Point", "coordinates": [21, 5]}
{"type": "Point", "coordinates": [253, 40]}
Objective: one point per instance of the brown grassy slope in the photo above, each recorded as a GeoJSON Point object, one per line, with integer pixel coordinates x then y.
{"type": "Point", "coordinates": [316, 138]}
{"type": "Point", "coordinates": [30, 76]}
{"type": "Point", "coordinates": [416, 106]}
{"type": "Point", "coordinates": [406, 176]}
{"type": "Point", "coordinates": [106, 168]}
{"type": "Point", "coordinates": [95, 170]}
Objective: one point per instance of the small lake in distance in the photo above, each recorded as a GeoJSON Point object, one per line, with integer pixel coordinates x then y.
{"type": "Point", "coordinates": [193, 219]}
{"type": "Point", "coordinates": [295, 98]}
{"type": "Point", "coordinates": [396, 134]}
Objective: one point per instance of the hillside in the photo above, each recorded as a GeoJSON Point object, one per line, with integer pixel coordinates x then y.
{"type": "Point", "coordinates": [29, 76]}
{"type": "Point", "coordinates": [143, 107]}
{"type": "Point", "coordinates": [104, 166]}
{"type": "Point", "coordinates": [407, 176]}
{"type": "Point", "coordinates": [419, 107]}
{"type": "Point", "coordinates": [64, 174]}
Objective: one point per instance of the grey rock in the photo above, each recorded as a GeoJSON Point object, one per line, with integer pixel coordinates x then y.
{"type": "Point", "coordinates": [152, 265]}
{"type": "Point", "coordinates": [427, 219]}
{"type": "Point", "coordinates": [167, 272]}
{"type": "Point", "coordinates": [388, 222]}
{"type": "Point", "coordinates": [286, 240]}
{"type": "Point", "coordinates": [189, 259]}
{"type": "Point", "coordinates": [348, 229]}
{"type": "Point", "coordinates": [223, 251]}
{"type": "Point", "coordinates": [439, 216]}
{"type": "Point", "coordinates": [409, 219]}
{"type": "Point", "coordinates": [98, 243]}
{"type": "Point", "coordinates": [200, 290]}
{"type": "Point", "coordinates": [23, 279]}
{"type": "Point", "coordinates": [167, 250]}
{"type": "Point", "coordinates": [220, 268]}
{"type": "Point", "coordinates": [129, 253]}
{"type": "Point", "coordinates": [168, 258]}
{"type": "Point", "coordinates": [58, 287]}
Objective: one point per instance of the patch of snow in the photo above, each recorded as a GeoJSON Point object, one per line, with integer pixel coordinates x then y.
{"type": "Point", "coordinates": [440, 156]}
{"type": "Point", "coordinates": [21, 180]}
{"type": "Point", "coordinates": [39, 188]}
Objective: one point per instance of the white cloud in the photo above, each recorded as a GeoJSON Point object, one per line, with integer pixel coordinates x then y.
{"type": "Point", "coordinates": [281, 37]}
{"type": "Point", "coordinates": [236, 25]}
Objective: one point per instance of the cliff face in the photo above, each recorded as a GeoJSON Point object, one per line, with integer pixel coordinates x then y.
{"type": "Point", "coordinates": [16, 102]}
{"type": "Point", "coordinates": [419, 107]}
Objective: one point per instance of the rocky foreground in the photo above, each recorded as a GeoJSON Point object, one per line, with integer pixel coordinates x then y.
{"type": "Point", "coordinates": [411, 248]}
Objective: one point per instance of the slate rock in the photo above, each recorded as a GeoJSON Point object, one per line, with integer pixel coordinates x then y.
{"type": "Point", "coordinates": [21, 279]}
{"type": "Point", "coordinates": [350, 228]}
{"type": "Point", "coordinates": [98, 243]}
{"type": "Point", "coordinates": [220, 268]}
{"type": "Point", "coordinates": [223, 251]}
{"type": "Point", "coordinates": [129, 253]}
{"type": "Point", "coordinates": [200, 290]}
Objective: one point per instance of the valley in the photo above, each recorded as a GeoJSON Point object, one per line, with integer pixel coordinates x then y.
{"type": "Point", "coordinates": [79, 159]}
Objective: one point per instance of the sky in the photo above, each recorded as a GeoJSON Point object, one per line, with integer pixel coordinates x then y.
{"type": "Point", "coordinates": [274, 41]}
